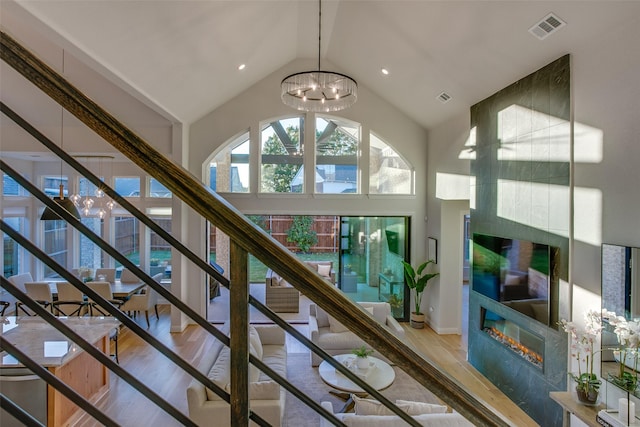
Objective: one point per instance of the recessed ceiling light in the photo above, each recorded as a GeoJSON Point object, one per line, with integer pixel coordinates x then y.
{"type": "Point", "coordinates": [241, 67]}
{"type": "Point", "coordinates": [384, 71]}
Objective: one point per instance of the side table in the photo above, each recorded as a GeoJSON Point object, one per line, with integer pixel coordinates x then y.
{"type": "Point", "coordinates": [587, 414]}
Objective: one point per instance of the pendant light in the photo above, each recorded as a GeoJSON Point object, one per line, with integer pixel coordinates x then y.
{"type": "Point", "coordinates": [64, 202]}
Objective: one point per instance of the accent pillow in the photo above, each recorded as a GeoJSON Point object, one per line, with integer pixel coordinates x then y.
{"type": "Point", "coordinates": [335, 326]}
{"type": "Point", "coordinates": [254, 341]}
{"type": "Point", "coordinates": [369, 310]}
{"type": "Point", "coordinates": [369, 407]}
{"type": "Point", "coordinates": [419, 408]}
{"type": "Point", "coordinates": [324, 270]}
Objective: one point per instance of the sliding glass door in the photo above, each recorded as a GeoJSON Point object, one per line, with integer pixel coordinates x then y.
{"type": "Point", "coordinates": [371, 253]}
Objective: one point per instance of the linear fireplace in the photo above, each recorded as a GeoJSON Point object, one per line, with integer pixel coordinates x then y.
{"type": "Point", "coordinates": [522, 342]}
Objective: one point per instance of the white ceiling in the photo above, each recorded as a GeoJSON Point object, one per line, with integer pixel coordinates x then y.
{"type": "Point", "coordinates": [183, 55]}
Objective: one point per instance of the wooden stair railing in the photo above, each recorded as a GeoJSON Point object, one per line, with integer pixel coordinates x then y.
{"type": "Point", "coordinates": [242, 232]}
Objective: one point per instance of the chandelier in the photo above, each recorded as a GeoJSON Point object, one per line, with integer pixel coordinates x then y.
{"type": "Point", "coordinates": [86, 202]}
{"type": "Point", "coordinates": [319, 91]}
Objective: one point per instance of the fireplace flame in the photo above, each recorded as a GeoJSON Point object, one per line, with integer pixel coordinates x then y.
{"type": "Point", "coordinates": [524, 351]}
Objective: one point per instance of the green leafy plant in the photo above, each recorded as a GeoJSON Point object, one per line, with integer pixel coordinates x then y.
{"type": "Point", "coordinates": [394, 301]}
{"type": "Point", "coordinates": [417, 280]}
{"type": "Point", "coordinates": [301, 233]}
{"type": "Point", "coordinates": [362, 351]}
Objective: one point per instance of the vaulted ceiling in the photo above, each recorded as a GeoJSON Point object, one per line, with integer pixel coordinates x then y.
{"type": "Point", "coordinates": [183, 56]}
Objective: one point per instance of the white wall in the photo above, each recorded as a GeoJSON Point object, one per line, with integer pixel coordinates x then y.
{"type": "Point", "coordinates": [607, 152]}
{"type": "Point", "coordinates": [262, 102]}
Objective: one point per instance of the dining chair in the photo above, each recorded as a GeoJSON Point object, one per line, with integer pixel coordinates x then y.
{"type": "Point", "coordinates": [128, 276]}
{"type": "Point", "coordinates": [18, 280]}
{"type": "Point", "coordinates": [144, 301]}
{"type": "Point", "coordinates": [70, 301]}
{"type": "Point", "coordinates": [105, 275]}
{"type": "Point", "coordinates": [104, 290]}
{"type": "Point", "coordinates": [40, 292]}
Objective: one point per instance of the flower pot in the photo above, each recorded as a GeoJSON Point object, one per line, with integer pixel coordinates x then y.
{"type": "Point", "coordinates": [362, 362]}
{"type": "Point", "coordinates": [588, 397]}
{"type": "Point", "coordinates": [417, 320]}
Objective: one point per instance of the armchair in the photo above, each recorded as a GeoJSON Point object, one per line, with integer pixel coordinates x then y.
{"type": "Point", "coordinates": [334, 338]}
{"type": "Point", "coordinates": [325, 269]}
{"type": "Point", "coordinates": [280, 296]}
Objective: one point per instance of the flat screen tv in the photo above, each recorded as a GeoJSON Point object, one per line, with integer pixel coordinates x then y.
{"type": "Point", "coordinates": [516, 273]}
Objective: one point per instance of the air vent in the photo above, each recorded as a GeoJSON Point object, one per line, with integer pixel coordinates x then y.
{"type": "Point", "coordinates": [547, 26]}
{"type": "Point", "coordinates": [444, 97]}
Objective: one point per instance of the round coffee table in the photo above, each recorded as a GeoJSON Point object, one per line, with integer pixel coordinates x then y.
{"type": "Point", "coordinates": [380, 376]}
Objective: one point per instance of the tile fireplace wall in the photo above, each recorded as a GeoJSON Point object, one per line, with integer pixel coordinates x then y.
{"type": "Point", "coordinates": [521, 173]}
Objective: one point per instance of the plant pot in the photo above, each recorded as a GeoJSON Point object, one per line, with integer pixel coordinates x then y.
{"type": "Point", "coordinates": [417, 320]}
{"type": "Point", "coordinates": [589, 397]}
{"type": "Point", "coordinates": [362, 363]}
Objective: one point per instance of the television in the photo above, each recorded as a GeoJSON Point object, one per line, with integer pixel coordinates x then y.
{"type": "Point", "coordinates": [517, 273]}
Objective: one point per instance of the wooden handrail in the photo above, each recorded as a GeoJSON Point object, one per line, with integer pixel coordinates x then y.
{"type": "Point", "coordinates": [244, 233]}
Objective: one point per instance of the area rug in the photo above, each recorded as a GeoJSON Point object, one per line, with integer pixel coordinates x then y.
{"type": "Point", "coordinates": [218, 311]}
{"type": "Point", "coordinates": [304, 377]}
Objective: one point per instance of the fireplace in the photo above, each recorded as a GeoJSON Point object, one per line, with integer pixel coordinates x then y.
{"type": "Point", "coordinates": [523, 343]}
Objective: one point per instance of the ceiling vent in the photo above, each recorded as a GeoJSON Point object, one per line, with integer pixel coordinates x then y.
{"type": "Point", "coordinates": [444, 97]}
{"type": "Point", "coordinates": [547, 26]}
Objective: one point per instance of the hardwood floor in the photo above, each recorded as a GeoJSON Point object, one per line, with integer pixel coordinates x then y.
{"type": "Point", "coordinates": [128, 408]}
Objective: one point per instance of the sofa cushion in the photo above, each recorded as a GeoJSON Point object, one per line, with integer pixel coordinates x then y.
{"type": "Point", "coordinates": [365, 406]}
{"type": "Point", "coordinates": [347, 341]}
{"type": "Point", "coordinates": [220, 372]}
{"type": "Point", "coordinates": [419, 408]}
{"type": "Point", "coordinates": [442, 420]}
{"type": "Point", "coordinates": [369, 407]}
{"type": "Point", "coordinates": [335, 326]}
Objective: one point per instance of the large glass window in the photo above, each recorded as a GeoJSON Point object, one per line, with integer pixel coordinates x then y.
{"type": "Point", "coordinates": [13, 253]}
{"type": "Point", "coordinates": [11, 188]}
{"type": "Point", "coordinates": [127, 186]}
{"type": "Point", "coordinates": [127, 238]}
{"type": "Point", "coordinates": [337, 144]}
{"type": "Point", "coordinates": [388, 172]}
{"type": "Point", "coordinates": [160, 249]}
{"type": "Point", "coordinates": [157, 189]}
{"type": "Point", "coordinates": [55, 244]}
{"type": "Point", "coordinates": [229, 170]}
{"type": "Point", "coordinates": [282, 146]}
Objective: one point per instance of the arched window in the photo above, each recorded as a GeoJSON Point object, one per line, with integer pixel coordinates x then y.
{"type": "Point", "coordinates": [281, 156]}
{"type": "Point", "coordinates": [389, 173]}
{"type": "Point", "coordinates": [229, 170]}
{"type": "Point", "coordinates": [337, 143]}
{"type": "Point", "coordinates": [336, 157]}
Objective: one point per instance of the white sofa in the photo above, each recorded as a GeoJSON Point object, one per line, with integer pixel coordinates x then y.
{"type": "Point", "coordinates": [448, 419]}
{"type": "Point", "coordinates": [334, 338]}
{"type": "Point", "coordinates": [266, 396]}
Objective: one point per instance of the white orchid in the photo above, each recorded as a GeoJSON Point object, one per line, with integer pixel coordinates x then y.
{"type": "Point", "coordinates": [628, 333]}
{"type": "Point", "coordinates": [582, 349]}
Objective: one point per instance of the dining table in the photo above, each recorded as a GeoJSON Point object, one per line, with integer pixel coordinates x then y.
{"type": "Point", "coordinates": [119, 290]}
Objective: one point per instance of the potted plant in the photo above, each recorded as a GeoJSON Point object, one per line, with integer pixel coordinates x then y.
{"type": "Point", "coordinates": [417, 281]}
{"type": "Point", "coordinates": [362, 354]}
{"type": "Point", "coordinates": [582, 349]}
